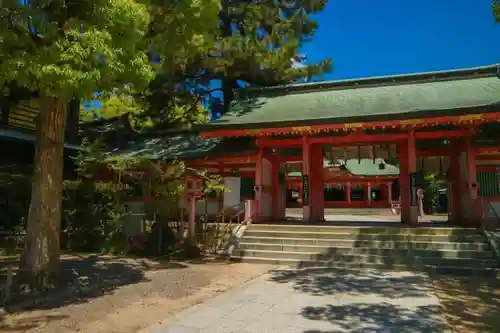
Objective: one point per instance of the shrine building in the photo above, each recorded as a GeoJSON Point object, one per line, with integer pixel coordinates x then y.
{"type": "Point", "coordinates": [353, 143]}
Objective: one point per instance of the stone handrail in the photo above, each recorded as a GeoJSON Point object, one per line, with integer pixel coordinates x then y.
{"type": "Point", "coordinates": [488, 226]}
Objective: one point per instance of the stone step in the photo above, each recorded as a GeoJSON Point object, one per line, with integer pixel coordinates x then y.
{"type": "Point", "coordinates": [325, 242]}
{"type": "Point", "coordinates": [473, 237]}
{"type": "Point", "coordinates": [380, 250]}
{"type": "Point", "coordinates": [368, 258]}
{"type": "Point", "coordinates": [442, 270]}
{"type": "Point", "coordinates": [462, 271]}
{"type": "Point", "coordinates": [463, 267]}
{"type": "Point", "coordinates": [479, 263]}
{"type": "Point", "coordinates": [364, 230]}
{"type": "Point", "coordinates": [317, 263]}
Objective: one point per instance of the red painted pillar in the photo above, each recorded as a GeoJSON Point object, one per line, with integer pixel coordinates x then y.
{"type": "Point", "coordinates": [456, 179]}
{"type": "Point", "coordinates": [369, 193]}
{"type": "Point", "coordinates": [306, 181]}
{"type": "Point", "coordinates": [275, 195]}
{"type": "Point", "coordinates": [301, 194]}
{"type": "Point", "coordinates": [192, 217]}
{"type": "Point", "coordinates": [389, 193]}
{"type": "Point", "coordinates": [312, 171]}
{"type": "Point", "coordinates": [259, 173]}
{"type": "Point", "coordinates": [475, 212]}
{"type": "Point", "coordinates": [317, 183]}
{"type": "Point", "coordinates": [404, 183]}
{"type": "Point", "coordinates": [412, 168]}
{"type": "Point", "coordinates": [348, 193]}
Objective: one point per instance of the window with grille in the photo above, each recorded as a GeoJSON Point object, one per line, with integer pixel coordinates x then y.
{"type": "Point", "coordinates": [489, 183]}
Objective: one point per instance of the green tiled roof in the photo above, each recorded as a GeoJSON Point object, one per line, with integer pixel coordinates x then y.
{"type": "Point", "coordinates": [394, 97]}
{"type": "Point", "coordinates": [183, 146]}
{"type": "Point", "coordinates": [365, 167]}
{"type": "Point", "coordinates": [368, 167]}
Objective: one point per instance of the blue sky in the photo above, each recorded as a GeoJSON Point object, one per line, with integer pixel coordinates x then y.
{"type": "Point", "coordinates": [371, 38]}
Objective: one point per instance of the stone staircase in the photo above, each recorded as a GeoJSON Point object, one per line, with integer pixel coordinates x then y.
{"type": "Point", "coordinates": [455, 251]}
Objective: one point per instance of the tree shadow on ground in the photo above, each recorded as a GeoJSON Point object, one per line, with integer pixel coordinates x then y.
{"type": "Point", "coordinates": [377, 318]}
{"type": "Point", "coordinates": [26, 323]}
{"type": "Point", "coordinates": [86, 277]}
{"type": "Point", "coordinates": [331, 281]}
{"type": "Point", "coordinates": [471, 304]}
{"type": "Point", "coordinates": [409, 265]}
{"type": "Point", "coordinates": [367, 300]}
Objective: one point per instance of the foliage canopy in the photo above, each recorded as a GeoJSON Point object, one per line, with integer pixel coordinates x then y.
{"type": "Point", "coordinates": [256, 43]}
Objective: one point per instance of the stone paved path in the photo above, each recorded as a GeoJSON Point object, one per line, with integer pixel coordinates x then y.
{"type": "Point", "coordinates": [318, 300]}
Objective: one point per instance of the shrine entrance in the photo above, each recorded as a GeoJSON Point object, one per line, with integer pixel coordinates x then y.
{"type": "Point", "coordinates": [358, 182]}
{"type": "Point", "coordinates": [346, 179]}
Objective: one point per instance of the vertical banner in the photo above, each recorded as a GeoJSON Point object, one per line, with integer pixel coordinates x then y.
{"type": "Point", "coordinates": [413, 189]}
{"type": "Point", "coordinates": [305, 190]}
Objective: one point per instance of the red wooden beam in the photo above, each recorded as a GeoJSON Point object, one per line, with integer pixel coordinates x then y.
{"type": "Point", "coordinates": [444, 134]}
{"type": "Point", "coordinates": [362, 138]}
{"type": "Point", "coordinates": [229, 159]}
{"type": "Point", "coordinates": [485, 168]}
{"type": "Point", "coordinates": [221, 163]}
{"type": "Point", "coordinates": [433, 152]}
{"type": "Point", "coordinates": [409, 124]}
{"type": "Point", "coordinates": [289, 158]}
{"type": "Point", "coordinates": [487, 157]}
{"type": "Point", "coordinates": [488, 150]}
{"type": "Point", "coordinates": [222, 166]}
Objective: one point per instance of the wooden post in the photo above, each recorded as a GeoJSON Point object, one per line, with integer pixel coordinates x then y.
{"type": "Point", "coordinates": [8, 286]}
{"type": "Point", "coordinates": [259, 178]}
{"type": "Point", "coordinates": [194, 193]}
{"type": "Point", "coordinates": [472, 188]}
{"type": "Point", "coordinates": [317, 183]}
{"type": "Point", "coordinates": [192, 217]}
{"type": "Point", "coordinates": [412, 212]}
{"type": "Point", "coordinates": [348, 192]}
{"type": "Point", "coordinates": [404, 182]}
{"type": "Point", "coordinates": [306, 191]}
{"type": "Point", "coordinates": [455, 180]}
{"type": "Point", "coordinates": [369, 192]}
{"type": "Point", "coordinates": [276, 205]}
{"type": "Point", "coordinates": [300, 193]}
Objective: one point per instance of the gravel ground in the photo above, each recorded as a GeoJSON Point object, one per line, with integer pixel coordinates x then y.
{"type": "Point", "coordinates": [131, 294]}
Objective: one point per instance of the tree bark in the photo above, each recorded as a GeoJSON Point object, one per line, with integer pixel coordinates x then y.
{"type": "Point", "coordinates": [40, 260]}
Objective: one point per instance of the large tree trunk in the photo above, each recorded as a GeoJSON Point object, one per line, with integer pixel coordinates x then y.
{"type": "Point", "coordinates": [40, 260]}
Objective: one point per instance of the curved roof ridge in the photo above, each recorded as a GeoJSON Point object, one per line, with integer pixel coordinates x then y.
{"type": "Point", "coordinates": [433, 76]}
